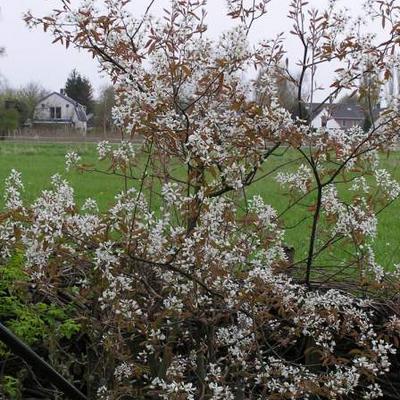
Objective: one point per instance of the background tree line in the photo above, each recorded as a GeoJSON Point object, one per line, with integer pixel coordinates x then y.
{"type": "Point", "coordinates": [17, 105]}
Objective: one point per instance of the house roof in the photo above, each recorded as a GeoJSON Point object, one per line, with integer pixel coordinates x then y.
{"type": "Point", "coordinates": [350, 110]}
{"type": "Point", "coordinates": [79, 108]}
{"type": "Point", "coordinates": [81, 113]}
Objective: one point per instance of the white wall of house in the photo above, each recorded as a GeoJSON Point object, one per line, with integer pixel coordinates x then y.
{"type": "Point", "coordinates": [56, 109]}
{"type": "Point", "coordinates": [81, 125]}
{"type": "Point", "coordinates": [330, 124]}
{"type": "Point", "coordinates": [338, 123]}
{"type": "Point", "coordinates": [43, 109]}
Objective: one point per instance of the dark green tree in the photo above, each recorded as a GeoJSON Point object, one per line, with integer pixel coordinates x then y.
{"type": "Point", "coordinates": [80, 89]}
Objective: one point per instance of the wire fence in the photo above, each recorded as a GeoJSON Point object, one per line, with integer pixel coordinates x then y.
{"type": "Point", "coordinates": [64, 136]}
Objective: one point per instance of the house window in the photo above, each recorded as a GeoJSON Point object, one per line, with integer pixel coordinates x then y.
{"type": "Point", "coordinates": [55, 112]}
{"type": "Point", "coordinates": [344, 123]}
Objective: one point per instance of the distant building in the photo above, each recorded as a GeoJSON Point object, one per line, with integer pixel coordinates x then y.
{"type": "Point", "coordinates": [59, 109]}
{"type": "Point", "coordinates": [338, 115]}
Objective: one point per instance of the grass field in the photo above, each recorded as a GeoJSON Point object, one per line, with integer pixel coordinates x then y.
{"type": "Point", "coordinates": [38, 162]}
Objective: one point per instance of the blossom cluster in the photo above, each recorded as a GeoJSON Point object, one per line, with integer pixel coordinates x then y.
{"type": "Point", "coordinates": [220, 281]}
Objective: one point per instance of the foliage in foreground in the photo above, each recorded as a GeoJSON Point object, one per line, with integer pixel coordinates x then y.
{"type": "Point", "coordinates": [204, 301]}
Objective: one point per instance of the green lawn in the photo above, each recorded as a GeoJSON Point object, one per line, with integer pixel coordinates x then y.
{"type": "Point", "coordinates": [38, 162]}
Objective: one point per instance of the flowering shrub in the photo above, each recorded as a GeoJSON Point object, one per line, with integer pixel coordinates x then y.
{"type": "Point", "coordinates": [198, 298]}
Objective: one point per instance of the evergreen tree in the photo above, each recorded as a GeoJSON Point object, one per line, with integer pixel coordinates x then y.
{"type": "Point", "coordinates": [80, 89]}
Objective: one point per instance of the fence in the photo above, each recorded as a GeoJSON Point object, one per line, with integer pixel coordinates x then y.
{"type": "Point", "coordinates": [62, 135]}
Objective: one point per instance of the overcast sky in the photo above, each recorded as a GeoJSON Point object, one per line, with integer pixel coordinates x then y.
{"type": "Point", "coordinates": [30, 55]}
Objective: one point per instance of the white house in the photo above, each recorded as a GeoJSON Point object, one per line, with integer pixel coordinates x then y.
{"type": "Point", "coordinates": [338, 115]}
{"type": "Point", "coordinates": [59, 109]}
